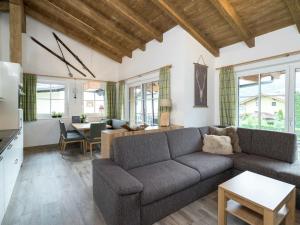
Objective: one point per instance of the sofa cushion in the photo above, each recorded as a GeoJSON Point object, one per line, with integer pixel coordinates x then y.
{"type": "Point", "coordinates": [204, 130]}
{"type": "Point", "coordinates": [184, 141]}
{"type": "Point", "coordinates": [275, 145]}
{"type": "Point", "coordinates": [245, 139]}
{"type": "Point", "coordinates": [163, 179]}
{"type": "Point", "coordinates": [117, 124]}
{"type": "Point", "coordinates": [207, 164]}
{"type": "Point", "coordinates": [140, 150]}
{"type": "Point", "coordinates": [291, 174]}
{"type": "Point", "coordinates": [259, 164]}
{"type": "Point", "coordinates": [217, 144]}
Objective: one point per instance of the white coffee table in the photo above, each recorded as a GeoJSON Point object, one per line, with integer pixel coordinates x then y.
{"type": "Point", "coordinates": [257, 200]}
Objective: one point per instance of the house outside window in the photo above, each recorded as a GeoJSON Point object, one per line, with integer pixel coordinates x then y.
{"type": "Point", "coordinates": [93, 98]}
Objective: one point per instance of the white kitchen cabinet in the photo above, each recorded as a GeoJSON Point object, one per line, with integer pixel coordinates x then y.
{"type": "Point", "coordinates": [2, 193]}
{"type": "Point", "coordinates": [9, 169]}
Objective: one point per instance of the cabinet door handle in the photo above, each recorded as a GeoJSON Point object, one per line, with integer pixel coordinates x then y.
{"type": "Point", "coordinates": [9, 146]}
{"type": "Point", "coordinates": [16, 161]}
{"type": "Point", "coordinates": [1, 158]}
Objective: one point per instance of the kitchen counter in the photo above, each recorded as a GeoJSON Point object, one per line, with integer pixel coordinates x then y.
{"type": "Point", "coordinates": [6, 136]}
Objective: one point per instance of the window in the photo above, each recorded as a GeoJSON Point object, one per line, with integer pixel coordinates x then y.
{"type": "Point", "coordinates": [50, 98]}
{"type": "Point", "coordinates": [143, 103]}
{"type": "Point", "coordinates": [262, 101]}
{"type": "Point", "coordinates": [93, 98]}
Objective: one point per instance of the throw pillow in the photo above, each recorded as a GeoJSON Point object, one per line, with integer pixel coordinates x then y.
{"type": "Point", "coordinates": [228, 131]}
{"type": "Point", "coordinates": [217, 144]}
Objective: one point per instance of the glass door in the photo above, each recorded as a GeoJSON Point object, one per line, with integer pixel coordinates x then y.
{"type": "Point", "coordinates": [296, 95]}
{"type": "Point", "coordinates": [262, 99]}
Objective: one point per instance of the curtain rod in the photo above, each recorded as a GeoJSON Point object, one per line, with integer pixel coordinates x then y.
{"type": "Point", "coordinates": [69, 78]}
{"type": "Point", "coordinates": [287, 54]}
{"type": "Point", "coordinates": [142, 74]}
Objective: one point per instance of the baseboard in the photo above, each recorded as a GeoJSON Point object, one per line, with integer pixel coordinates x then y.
{"type": "Point", "coordinates": [41, 147]}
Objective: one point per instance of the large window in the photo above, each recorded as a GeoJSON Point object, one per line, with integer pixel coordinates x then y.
{"type": "Point", "coordinates": [143, 103]}
{"type": "Point", "coordinates": [93, 98]}
{"type": "Point", "coordinates": [262, 101]}
{"type": "Point", "coordinates": [50, 98]}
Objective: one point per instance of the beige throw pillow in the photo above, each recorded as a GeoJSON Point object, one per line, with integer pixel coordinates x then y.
{"type": "Point", "coordinates": [217, 144]}
{"type": "Point", "coordinates": [228, 131]}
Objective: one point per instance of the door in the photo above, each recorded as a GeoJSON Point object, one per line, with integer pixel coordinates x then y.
{"type": "Point", "coordinates": [295, 98]}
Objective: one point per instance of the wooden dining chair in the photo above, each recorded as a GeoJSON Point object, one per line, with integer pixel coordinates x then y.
{"type": "Point", "coordinates": [67, 137]}
{"type": "Point", "coordinates": [94, 136]}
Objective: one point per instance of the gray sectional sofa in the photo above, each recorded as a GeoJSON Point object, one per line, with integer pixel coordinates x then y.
{"type": "Point", "coordinates": [153, 175]}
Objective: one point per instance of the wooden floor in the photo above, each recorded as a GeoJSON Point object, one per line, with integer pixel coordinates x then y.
{"type": "Point", "coordinates": [52, 190]}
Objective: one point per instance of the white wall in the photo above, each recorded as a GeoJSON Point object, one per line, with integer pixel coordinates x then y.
{"type": "Point", "coordinates": [180, 50]}
{"type": "Point", "coordinates": [277, 42]}
{"type": "Point", "coordinates": [38, 61]}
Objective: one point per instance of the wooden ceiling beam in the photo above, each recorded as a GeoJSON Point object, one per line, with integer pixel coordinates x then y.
{"type": "Point", "coordinates": [135, 18]}
{"type": "Point", "coordinates": [99, 21]}
{"type": "Point", "coordinates": [57, 12]}
{"type": "Point", "coordinates": [58, 25]}
{"type": "Point", "coordinates": [4, 6]}
{"type": "Point", "coordinates": [294, 8]}
{"type": "Point", "coordinates": [228, 12]}
{"type": "Point", "coordinates": [15, 31]}
{"type": "Point", "coordinates": [185, 24]}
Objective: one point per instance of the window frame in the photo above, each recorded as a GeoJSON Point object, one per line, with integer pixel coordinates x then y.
{"type": "Point", "coordinates": [259, 71]}
{"type": "Point", "coordinates": [138, 81]}
{"type": "Point", "coordinates": [50, 82]}
{"type": "Point", "coordinates": [94, 114]}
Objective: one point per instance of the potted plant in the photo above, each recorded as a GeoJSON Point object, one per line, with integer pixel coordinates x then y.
{"type": "Point", "coordinates": [54, 115]}
{"type": "Point", "coordinates": [83, 118]}
{"type": "Point", "coordinates": [59, 115]}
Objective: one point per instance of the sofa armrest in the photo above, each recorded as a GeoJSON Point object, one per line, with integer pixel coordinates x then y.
{"type": "Point", "coordinates": [121, 182]}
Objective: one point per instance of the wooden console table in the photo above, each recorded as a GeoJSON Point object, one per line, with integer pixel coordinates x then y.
{"type": "Point", "coordinates": [107, 136]}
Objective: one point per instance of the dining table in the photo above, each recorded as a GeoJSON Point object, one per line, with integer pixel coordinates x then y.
{"type": "Point", "coordinates": [84, 128]}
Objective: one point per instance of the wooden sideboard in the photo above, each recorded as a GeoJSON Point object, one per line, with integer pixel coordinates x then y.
{"type": "Point", "coordinates": [107, 136]}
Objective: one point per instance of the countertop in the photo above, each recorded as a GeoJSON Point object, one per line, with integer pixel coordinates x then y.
{"type": "Point", "coordinates": [6, 136]}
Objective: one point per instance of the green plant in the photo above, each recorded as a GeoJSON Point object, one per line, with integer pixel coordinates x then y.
{"type": "Point", "coordinates": [54, 115]}
{"type": "Point", "coordinates": [59, 115]}
{"type": "Point", "coordinates": [83, 118]}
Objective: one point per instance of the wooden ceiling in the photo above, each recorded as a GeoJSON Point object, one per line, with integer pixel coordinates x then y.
{"type": "Point", "coordinates": [117, 27]}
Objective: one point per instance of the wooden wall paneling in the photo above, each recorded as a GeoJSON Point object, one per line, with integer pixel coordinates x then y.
{"type": "Point", "coordinates": [135, 18]}
{"type": "Point", "coordinates": [58, 25]}
{"type": "Point", "coordinates": [181, 19]}
{"type": "Point", "coordinates": [294, 8]}
{"type": "Point", "coordinates": [4, 6]}
{"type": "Point", "coordinates": [97, 20]}
{"type": "Point", "coordinates": [57, 12]}
{"type": "Point", "coordinates": [230, 15]}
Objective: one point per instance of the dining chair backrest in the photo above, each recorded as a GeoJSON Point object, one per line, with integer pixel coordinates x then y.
{"type": "Point", "coordinates": [63, 130]}
{"type": "Point", "coordinates": [96, 129]}
{"type": "Point", "coordinates": [76, 119]}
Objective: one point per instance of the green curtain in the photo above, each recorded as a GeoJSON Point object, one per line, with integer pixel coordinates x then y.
{"type": "Point", "coordinates": [132, 106]}
{"type": "Point", "coordinates": [111, 100]}
{"type": "Point", "coordinates": [227, 96]}
{"type": "Point", "coordinates": [121, 100]}
{"type": "Point", "coordinates": [164, 88]}
{"type": "Point", "coordinates": [28, 102]}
